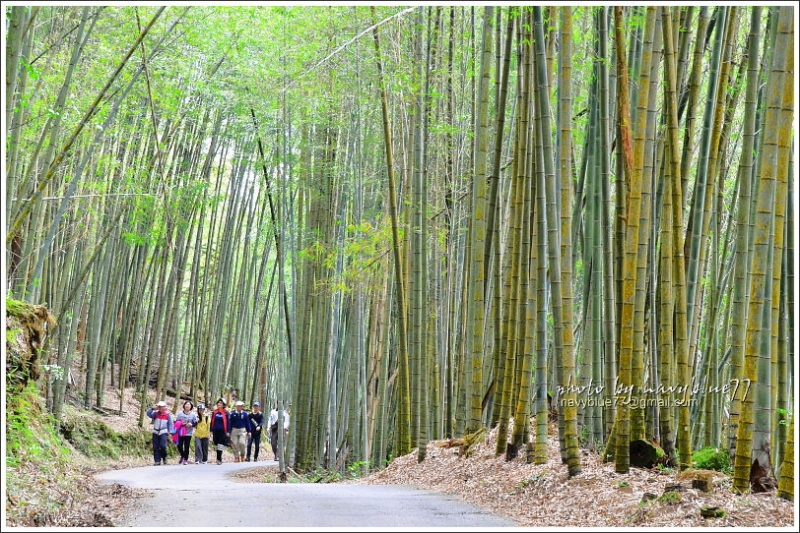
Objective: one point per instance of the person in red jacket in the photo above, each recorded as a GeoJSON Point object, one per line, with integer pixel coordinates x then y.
{"type": "Point", "coordinates": [220, 428]}
{"type": "Point", "coordinates": [163, 425]}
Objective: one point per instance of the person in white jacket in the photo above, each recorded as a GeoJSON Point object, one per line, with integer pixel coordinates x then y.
{"type": "Point", "coordinates": [272, 424]}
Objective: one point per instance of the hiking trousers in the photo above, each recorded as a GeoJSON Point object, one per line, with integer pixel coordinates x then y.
{"type": "Point", "coordinates": [239, 442]}
{"type": "Point", "coordinates": [254, 440]}
{"type": "Point", "coordinates": [160, 447]}
{"type": "Point", "coordinates": [200, 450]}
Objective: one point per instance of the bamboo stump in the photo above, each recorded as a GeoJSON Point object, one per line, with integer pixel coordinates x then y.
{"type": "Point", "coordinates": [645, 454]}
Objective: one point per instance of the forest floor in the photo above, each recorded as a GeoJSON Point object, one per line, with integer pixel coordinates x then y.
{"type": "Point", "coordinates": [532, 495]}
{"type": "Point", "coordinates": [544, 496]}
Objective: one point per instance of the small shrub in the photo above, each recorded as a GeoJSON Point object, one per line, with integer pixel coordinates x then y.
{"type": "Point", "coordinates": [321, 475]}
{"type": "Point", "coordinates": [711, 458]}
{"type": "Point", "coordinates": [712, 512]}
{"type": "Point", "coordinates": [664, 469]}
{"type": "Point", "coordinates": [358, 469]}
{"type": "Point", "coordinates": [670, 498]}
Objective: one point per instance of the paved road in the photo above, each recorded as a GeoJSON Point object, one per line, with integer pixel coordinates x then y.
{"type": "Point", "coordinates": [207, 496]}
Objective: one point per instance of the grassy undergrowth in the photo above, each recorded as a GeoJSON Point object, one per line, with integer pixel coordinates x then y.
{"type": "Point", "coordinates": [48, 471]}
{"type": "Point", "coordinates": [30, 433]}
{"type": "Point", "coordinates": [318, 475]}
{"type": "Point", "coordinates": [711, 458]}
{"type": "Point", "coordinates": [95, 439]}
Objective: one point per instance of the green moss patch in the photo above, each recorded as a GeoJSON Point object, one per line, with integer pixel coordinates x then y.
{"type": "Point", "coordinates": [711, 458]}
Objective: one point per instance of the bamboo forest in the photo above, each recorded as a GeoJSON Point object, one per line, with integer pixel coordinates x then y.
{"type": "Point", "coordinates": [405, 224]}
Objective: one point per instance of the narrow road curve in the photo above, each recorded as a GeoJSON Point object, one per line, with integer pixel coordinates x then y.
{"type": "Point", "coordinates": [208, 496]}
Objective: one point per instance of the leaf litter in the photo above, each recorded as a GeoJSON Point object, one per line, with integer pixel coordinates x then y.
{"type": "Point", "coordinates": [531, 495]}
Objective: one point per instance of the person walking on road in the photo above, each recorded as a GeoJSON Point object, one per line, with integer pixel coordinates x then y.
{"type": "Point", "coordinates": [256, 424]}
{"type": "Point", "coordinates": [202, 432]}
{"type": "Point", "coordinates": [240, 431]}
{"type": "Point", "coordinates": [189, 420]}
{"type": "Point", "coordinates": [163, 424]}
{"type": "Point", "coordinates": [220, 428]}
{"type": "Point", "coordinates": [272, 423]}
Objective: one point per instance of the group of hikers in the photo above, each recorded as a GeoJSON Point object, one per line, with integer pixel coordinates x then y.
{"type": "Point", "coordinates": [239, 429]}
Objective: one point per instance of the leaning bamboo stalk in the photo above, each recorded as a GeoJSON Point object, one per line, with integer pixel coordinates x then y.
{"type": "Point", "coordinates": [16, 224]}
{"type": "Point", "coordinates": [405, 408]}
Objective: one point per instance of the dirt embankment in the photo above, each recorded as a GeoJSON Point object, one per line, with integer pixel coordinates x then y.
{"type": "Point", "coordinates": [544, 495]}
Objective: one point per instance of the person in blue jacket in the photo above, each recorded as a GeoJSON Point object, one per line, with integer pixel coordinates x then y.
{"type": "Point", "coordinates": [240, 431]}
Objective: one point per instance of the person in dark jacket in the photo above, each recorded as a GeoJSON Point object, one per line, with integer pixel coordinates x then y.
{"type": "Point", "coordinates": [162, 426]}
{"type": "Point", "coordinates": [220, 428]}
{"type": "Point", "coordinates": [256, 424]}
